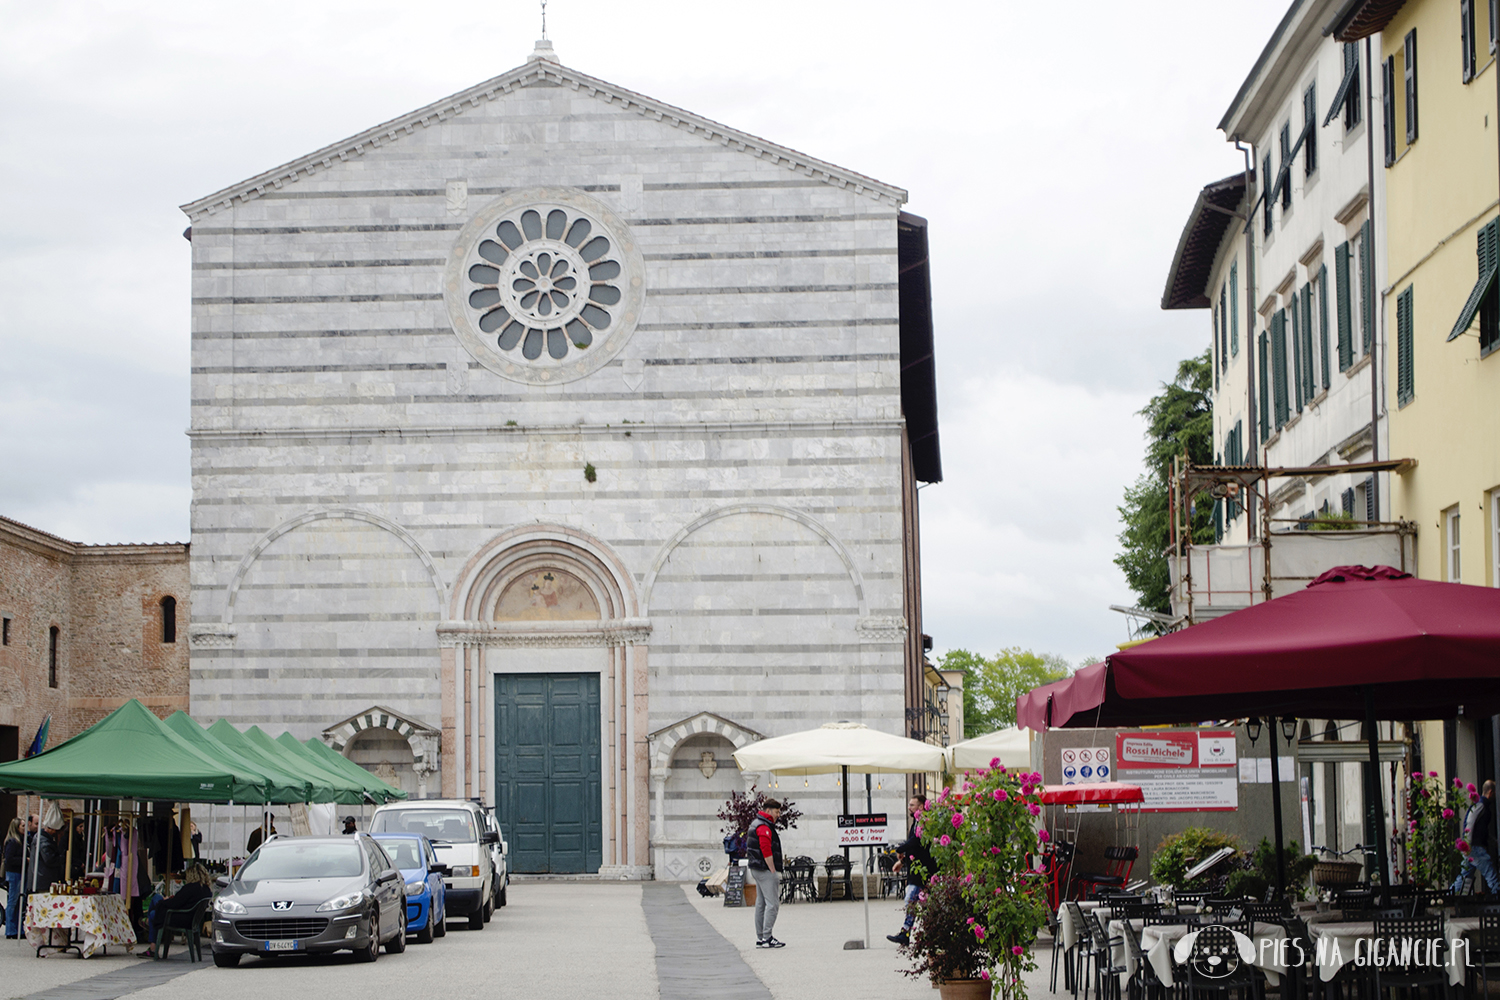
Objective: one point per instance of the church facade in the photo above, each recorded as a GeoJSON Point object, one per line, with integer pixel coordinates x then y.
{"type": "Point", "coordinates": [549, 443]}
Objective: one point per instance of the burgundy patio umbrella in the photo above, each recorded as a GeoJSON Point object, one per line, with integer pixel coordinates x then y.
{"type": "Point", "coordinates": [1357, 642]}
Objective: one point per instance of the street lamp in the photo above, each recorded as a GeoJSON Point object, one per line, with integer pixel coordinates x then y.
{"type": "Point", "coordinates": [1252, 729]}
{"type": "Point", "coordinates": [1288, 730]}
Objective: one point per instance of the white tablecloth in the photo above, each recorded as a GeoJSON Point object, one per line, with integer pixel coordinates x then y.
{"type": "Point", "coordinates": [1159, 941]}
{"type": "Point", "coordinates": [1337, 943]}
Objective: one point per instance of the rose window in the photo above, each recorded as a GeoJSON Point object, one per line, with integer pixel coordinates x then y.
{"type": "Point", "coordinates": [546, 283]}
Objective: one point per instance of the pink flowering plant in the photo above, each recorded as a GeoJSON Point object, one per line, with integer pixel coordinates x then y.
{"type": "Point", "coordinates": [983, 835]}
{"type": "Point", "coordinates": [1434, 828]}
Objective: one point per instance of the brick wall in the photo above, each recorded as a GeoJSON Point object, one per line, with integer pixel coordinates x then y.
{"type": "Point", "coordinates": [105, 602]}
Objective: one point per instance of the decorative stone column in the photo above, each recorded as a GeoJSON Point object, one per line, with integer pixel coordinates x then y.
{"type": "Point", "coordinates": [659, 776]}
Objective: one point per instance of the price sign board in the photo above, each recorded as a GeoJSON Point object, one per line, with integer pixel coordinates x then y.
{"type": "Point", "coordinates": [862, 829]}
{"type": "Point", "coordinates": [734, 886]}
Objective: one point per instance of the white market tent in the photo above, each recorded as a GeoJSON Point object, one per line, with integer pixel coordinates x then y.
{"type": "Point", "coordinates": [839, 748]}
{"type": "Point", "coordinates": [1011, 745]}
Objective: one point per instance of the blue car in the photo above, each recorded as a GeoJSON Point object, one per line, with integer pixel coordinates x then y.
{"type": "Point", "coordinates": [426, 914]}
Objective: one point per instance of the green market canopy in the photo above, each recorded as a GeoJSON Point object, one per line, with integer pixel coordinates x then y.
{"type": "Point", "coordinates": [131, 754]}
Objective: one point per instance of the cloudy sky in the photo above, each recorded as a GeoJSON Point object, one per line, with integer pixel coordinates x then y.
{"type": "Point", "coordinates": [1055, 148]}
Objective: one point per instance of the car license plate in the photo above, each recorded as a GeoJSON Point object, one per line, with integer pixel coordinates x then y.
{"type": "Point", "coordinates": [281, 946]}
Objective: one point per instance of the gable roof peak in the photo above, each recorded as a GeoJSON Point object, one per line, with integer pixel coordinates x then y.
{"type": "Point", "coordinates": [545, 71]}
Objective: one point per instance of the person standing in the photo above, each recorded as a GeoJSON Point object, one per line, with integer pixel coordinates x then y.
{"type": "Point", "coordinates": [1479, 825]}
{"type": "Point", "coordinates": [917, 860]}
{"type": "Point", "coordinates": [764, 846]}
{"type": "Point", "coordinates": [14, 849]}
{"type": "Point", "coordinates": [350, 826]}
{"type": "Point", "coordinates": [51, 854]}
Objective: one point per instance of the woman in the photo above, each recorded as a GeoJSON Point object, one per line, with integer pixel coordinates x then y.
{"type": "Point", "coordinates": [196, 887]}
{"type": "Point", "coordinates": [12, 852]}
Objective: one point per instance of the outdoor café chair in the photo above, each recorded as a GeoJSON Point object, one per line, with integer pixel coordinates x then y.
{"type": "Point", "coordinates": [1214, 965]}
{"type": "Point", "coordinates": [1145, 984]}
{"type": "Point", "coordinates": [799, 880]}
{"type": "Point", "coordinates": [1427, 966]}
{"type": "Point", "coordinates": [191, 930]}
{"type": "Point", "coordinates": [1072, 955]}
{"type": "Point", "coordinates": [837, 868]}
{"type": "Point", "coordinates": [1101, 953]}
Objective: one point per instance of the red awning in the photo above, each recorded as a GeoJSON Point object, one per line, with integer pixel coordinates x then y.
{"type": "Point", "coordinates": [1100, 792]}
{"type": "Point", "coordinates": [1418, 648]}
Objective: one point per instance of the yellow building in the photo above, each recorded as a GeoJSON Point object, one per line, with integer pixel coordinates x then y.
{"type": "Point", "coordinates": [1440, 309]}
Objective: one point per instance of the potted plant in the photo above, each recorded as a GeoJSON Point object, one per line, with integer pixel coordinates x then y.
{"type": "Point", "coordinates": [1435, 844]}
{"type": "Point", "coordinates": [983, 838]}
{"type": "Point", "coordinates": [740, 810]}
{"type": "Point", "coordinates": [943, 944]}
{"type": "Point", "coordinates": [1179, 852]}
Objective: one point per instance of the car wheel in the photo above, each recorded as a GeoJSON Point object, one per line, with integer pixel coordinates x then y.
{"type": "Point", "coordinates": [476, 920]}
{"type": "Point", "coordinates": [441, 930]}
{"type": "Point", "coordinates": [428, 931]}
{"type": "Point", "coordinates": [489, 909]}
{"type": "Point", "coordinates": [503, 900]}
{"type": "Point", "coordinates": [226, 959]}
{"type": "Point", "coordinates": [397, 944]}
{"type": "Point", "coordinates": [371, 952]}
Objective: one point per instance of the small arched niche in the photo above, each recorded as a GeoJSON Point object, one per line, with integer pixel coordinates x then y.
{"type": "Point", "coordinates": [387, 755]}
{"type": "Point", "coordinates": [546, 594]}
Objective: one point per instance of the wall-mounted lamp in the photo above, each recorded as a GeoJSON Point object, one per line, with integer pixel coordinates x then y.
{"type": "Point", "coordinates": [1289, 729]}
{"type": "Point", "coordinates": [1252, 729]}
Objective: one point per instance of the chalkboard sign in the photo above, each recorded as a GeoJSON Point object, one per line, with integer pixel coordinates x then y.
{"type": "Point", "coordinates": [734, 886]}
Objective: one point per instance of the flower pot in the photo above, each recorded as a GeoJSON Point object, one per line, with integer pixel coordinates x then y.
{"type": "Point", "coordinates": [965, 989]}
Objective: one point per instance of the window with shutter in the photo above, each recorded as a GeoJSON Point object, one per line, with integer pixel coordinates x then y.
{"type": "Point", "coordinates": [1278, 367]}
{"type": "Point", "coordinates": [1370, 512]}
{"type": "Point", "coordinates": [1217, 355]}
{"type": "Point", "coordinates": [1265, 173]}
{"type": "Point", "coordinates": [1297, 357]}
{"type": "Point", "coordinates": [1405, 386]}
{"type": "Point", "coordinates": [1309, 359]}
{"type": "Point", "coordinates": [1346, 501]}
{"type": "Point", "coordinates": [1223, 327]}
{"type": "Point", "coordinates": [1466, 37]}
{"type": "Point", "coordinates": [1323, 322]}
{"type": "Point", "coordinates": [1353, 106]}
{"type": "Point", "coordinates": [1345, 324]}
{"type": "Point", "coordinates": [1366, 287]}
{"type": "Point", "coordinates": [1310, 131]}
{"type": "Point", "coordinates": [1489, 306]}
{"type": "Point", "coordinates": [1409, 54]}
{"type": "Point", "coordinates": [1284, 175]}
{"type": "Point", "coordinates": [1388, 107]}
{"type": "Point", "coordinates": [1265, 376]}
{"type": "Point", "coordinates": [1482, 295]}
{"type": "Point", "coordinates": [1234, 309]}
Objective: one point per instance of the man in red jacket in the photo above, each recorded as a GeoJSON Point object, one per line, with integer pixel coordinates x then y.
{"type": "Point", "coordinates": [764, 848]}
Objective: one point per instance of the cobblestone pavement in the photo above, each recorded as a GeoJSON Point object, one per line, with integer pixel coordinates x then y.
{"type": "Point", "coordinates": [624, 941]}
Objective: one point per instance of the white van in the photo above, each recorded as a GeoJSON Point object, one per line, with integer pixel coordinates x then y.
{"type": "Point", "coordinates": [464, 840]}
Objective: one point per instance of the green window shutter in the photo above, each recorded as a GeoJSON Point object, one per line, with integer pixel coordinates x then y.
{"type": "Point", "coordinates": [1223, 327]}
{"type": "Point", "coordinates": [1409, 52]}
{"type": "Point", "coordinates": [1405, 385]}
{"type": "Point", "coordinates": [1310, 131]}
{"type": "Point", "coordinates": [1366, 286]}
{"type": "Point", "coordinates": [1388, 107]}
{"type": "Point", "coordinates": [1278, 366]}
{"type": "Point", "coordinates": [1345, 317]}
{"type": "Point", "coordinates": [1309, 359]}
{"type": "Point", "coordinates": [1466, 37]}
{"type": "Point", "coordinates": [1480, 293]}
{"type": "Point", "coordinates": [1297, 359]}
{"type": "Point", "coordinates": [1265, 398]}
{"type": "Point", "coordinates": [1267, 188]}
{"type": "Point", "coordinates": [1234, 309]}
{"type": "Point", "coordinates": [1213, 347]}
{"type": "Point", "coordinates": [1323, 322]}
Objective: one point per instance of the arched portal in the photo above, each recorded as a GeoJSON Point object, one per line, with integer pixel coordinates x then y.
{"type": "Point", "coordinates": [544, 668]}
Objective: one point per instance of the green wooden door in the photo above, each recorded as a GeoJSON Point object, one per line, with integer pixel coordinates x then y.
{"type": "Point", "coordinates": [547, 771]}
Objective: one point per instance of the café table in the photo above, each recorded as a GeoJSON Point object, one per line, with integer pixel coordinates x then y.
{"type": "Point", "coordinates": [1168, 945]}
{"type": "Point", "coordinates": [99, 921]}
{"type": "Point", "coordinates": [1337, 942]}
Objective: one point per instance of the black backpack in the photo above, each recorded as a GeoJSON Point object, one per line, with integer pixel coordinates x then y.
{"type": "Point", "coordinates": [734, 845]}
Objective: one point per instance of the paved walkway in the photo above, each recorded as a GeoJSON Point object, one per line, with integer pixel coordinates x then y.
{"type": "Point", "coordinates": [622, 940]}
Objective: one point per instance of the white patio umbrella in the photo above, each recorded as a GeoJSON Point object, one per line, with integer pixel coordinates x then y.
{"type": "Point", "coordinates": [839, 748]}
{"type": "Point", "coordinates": [1011, 745]}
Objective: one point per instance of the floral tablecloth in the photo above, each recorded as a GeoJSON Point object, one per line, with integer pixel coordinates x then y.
{"type": "Point", "coordinates": [101, 920]}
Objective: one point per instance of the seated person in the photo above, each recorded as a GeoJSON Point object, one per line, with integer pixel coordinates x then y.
{"type": "Point", "coordinates": [177, 909]}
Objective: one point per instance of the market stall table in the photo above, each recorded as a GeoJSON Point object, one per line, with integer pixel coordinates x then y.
{"type": "Point", "coordinates": [100, 920]}
{"type": "Point", "coordinates": [1336, 943]}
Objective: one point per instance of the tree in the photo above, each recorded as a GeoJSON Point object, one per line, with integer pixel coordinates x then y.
{"type": "Point", "coordinates": [1179, 421]}
{"type": "Point", "coordinates": [991, 685]}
